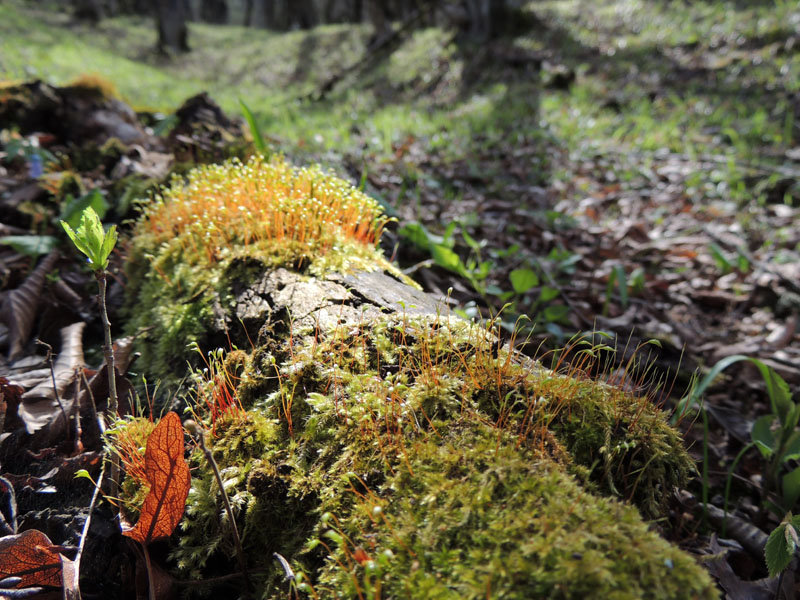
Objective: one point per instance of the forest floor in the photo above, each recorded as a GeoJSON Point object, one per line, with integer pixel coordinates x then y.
{"type": "Point", "coordinates": [628, 172]}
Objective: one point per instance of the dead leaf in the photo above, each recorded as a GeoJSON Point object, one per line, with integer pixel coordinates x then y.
{"type": "Point", "coordinates": [20, 305]}
{"type": "Point", "coordinates": [9, 400]}
{"type": "Point", "coordinates": [169, 479]}
{"type": "Point", "coordinates": [30, 557]}
{"type": "Point", "coordinates": [39, 406]}
{"type": "Point", "coordinates": [8, 508]}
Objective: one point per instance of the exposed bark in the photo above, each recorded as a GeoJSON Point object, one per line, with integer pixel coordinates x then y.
{"type": "Point", "coordinates": [173, 35]}
{"type": "Point", "coordinates": [284, 298]}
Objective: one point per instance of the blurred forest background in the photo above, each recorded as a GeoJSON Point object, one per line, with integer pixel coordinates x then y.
{"type": "Point", "coordinates": [625, 170]}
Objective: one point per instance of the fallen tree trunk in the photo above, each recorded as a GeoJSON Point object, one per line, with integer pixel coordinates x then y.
{"type": "Point", "coordinates": [383, 447]}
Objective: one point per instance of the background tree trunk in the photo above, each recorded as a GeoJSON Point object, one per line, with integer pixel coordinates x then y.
{"type": "Point", "coordinates": [248, 12]}
{"type": "Point", "coordinates": [214, 11]}
{"type": "Point", "coordinates": [88, 10]}
{"type": "Point", "coordinates": [173, 35]}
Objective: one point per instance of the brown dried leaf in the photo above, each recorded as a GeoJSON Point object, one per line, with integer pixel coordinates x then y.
{"type": "Point", "coordinates": [169, 479]}
{"type": "Point", "coordinates": [30, 557]}
{"type": "Point", "coordinates": [20, 305]}
{"type": "Point", "coordinates": [39, 406]}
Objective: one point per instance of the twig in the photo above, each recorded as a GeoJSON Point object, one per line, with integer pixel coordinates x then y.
{"type": "Point", "coordinates": [287, 568]}
{"type": "Point", "coordinates": [76, 410]}
{"type": "Point", "coordinates": [100, 423]}
{"type": "Point", "coordinates": [85, 531]}
{"type": "Point", "coordinates": [151, 586]}
{"type": "Point", "coordinates": [194, 428]}
{"type": "Point", "coordinates": [53, 378]}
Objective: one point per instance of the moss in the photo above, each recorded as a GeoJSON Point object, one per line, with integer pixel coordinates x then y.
{"type": "Point", "coordinates": [93, 85]}
{"type": "Point", "coordinates": [400, 478]}
{"type": "Point", "coordinates": [472, 516]}
{"type": "Point", "coordinates": [402, 457]}
{"type": "Point", "coordinates": [62, 184]}
{"type": "Point", "coordinates": [191, 241]}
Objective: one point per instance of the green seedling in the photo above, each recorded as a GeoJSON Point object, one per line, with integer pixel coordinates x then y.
{"type": "Point", "coordinates": [782, 544]}
{"type": "Point", "coordinates": [96, 243]}
{"type": "Point", "coordinates": [258, 139]}
{"type": "Point", "coordinates": [775, 434]}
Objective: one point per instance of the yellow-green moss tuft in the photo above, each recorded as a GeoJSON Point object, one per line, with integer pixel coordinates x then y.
{"type": "Point", "coordinates": [423, 461]}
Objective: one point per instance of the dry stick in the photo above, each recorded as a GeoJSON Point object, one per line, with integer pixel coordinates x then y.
{"type": "Point", "coordinates": [228, 509]}
{"type": "Point", "coordinates": [76, 409]}
{"type": "Point", "coordinates": [151, 586]}
{"type": "Point", "coordinates": [53, 378]}
{"type": "Point", "coordinates": [287, 569]}
{"type": "Point", "coordinates": [108, 351]}
{"type": "Point", "coordinates": [374, 53]}
{"type": "Point", "coordinates": [85, 532]}
{"type": "Point", "coordinates": [100, 424]}
{"type": "Point", "coordinates": [108, 348]}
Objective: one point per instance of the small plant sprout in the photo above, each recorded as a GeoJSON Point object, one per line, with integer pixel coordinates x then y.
{"type": "Point", "coordinates": [782, 544]}
{"type": "Point", "coordinates": [96, 243]}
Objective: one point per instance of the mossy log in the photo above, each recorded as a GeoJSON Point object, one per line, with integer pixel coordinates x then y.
{"type": "Point", "coordinates": [385, 448]}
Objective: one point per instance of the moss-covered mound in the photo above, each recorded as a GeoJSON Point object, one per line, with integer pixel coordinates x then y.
{"type": "Point", "coordinates": [395, 456]}
{"type": "Point", "coordinates": [226, 224]}
{"type": "Point", "coordinates": [414, 459]}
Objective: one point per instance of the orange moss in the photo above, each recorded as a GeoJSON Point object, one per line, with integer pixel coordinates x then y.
{"type": "Point", "coordinates": [222, 206]}
{"type": "Point", "coordinates": [92, 82]}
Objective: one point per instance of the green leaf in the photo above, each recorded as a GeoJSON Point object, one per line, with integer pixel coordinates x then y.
{"type": "Point", "coordinates": [417, 234]}
{"type": "Point", "coordinates": [791, 488]}
{"type": "Point", "coordinates": [622, 284]}
{"type": "Point", "coordinates": [547, 294]}
{"type": "Point", "coordinates": [31, 245]}
{"type": "Point", "coordinates": [791, 449]}
{"type": "Point", "coordinates": [258, 140]}
{"type": "Point", "coordinates": [719, 257]}
{"type": "Point", "coordinates": [780, 396]}
{"type": "Point", "coordinates": [523, 279]}
{"type": "Point", "coordinates": [91, 239]}
{"type": "Point", "coordinates": [494, 290]}
{"type": "Point", "coordinates": [83, 474]}
{"type": "Point", "coordinates": [109, 241]}
{"type": "Point", "coordinates": [555, 313]}
{"type": "Point", "coordinates": [471, 241]}
{"type": "Point", "coordinates": [76, 239]}
{"type": "Point", "coordinates": [74, 207]}
{"type": "Point", "coordinates": [446, 258]}
{"type": "Point", "coordinates": [778, 551]}
{"type": "Point", "coordinates": [763, 436]}
{"type": "Point", "coordinates": [692, 399]}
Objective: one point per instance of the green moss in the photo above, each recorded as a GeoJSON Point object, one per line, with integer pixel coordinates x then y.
{"type": "Point", "coordinates": [233, 222]}
{"type": "Point", "coordinates": [400, 477]}
{"type": "Point", "coordinates": [401, 457]}
{"type": "Point", "coordinates": [474, 516]}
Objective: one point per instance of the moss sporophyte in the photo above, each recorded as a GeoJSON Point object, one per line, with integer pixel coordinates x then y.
{"type": "Point", "coordinates": [395, 456]}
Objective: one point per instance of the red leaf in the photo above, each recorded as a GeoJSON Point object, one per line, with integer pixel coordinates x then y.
{"type": "Point", "coordinates": [29, 556]}
{"type": "Point", "coordinates": [169, 479]}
